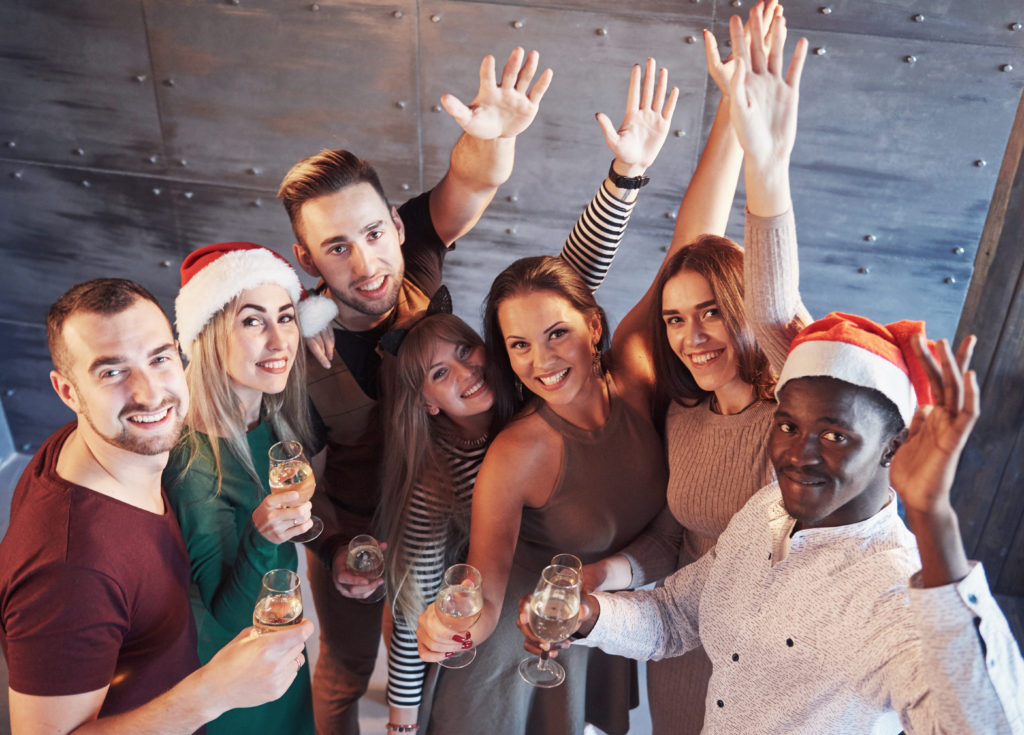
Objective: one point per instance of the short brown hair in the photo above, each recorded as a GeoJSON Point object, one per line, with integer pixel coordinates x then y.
{"type": "Point", "coordinates": [325, 173]}
{"type": "Point", "coordinates": [98, 296]}
{"type": "Point", "coordinates": [720, 261]}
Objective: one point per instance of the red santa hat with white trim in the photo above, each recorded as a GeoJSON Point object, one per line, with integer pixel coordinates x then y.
{"type": "Point", "coordinates": [213, 275]}
{"type": "Point", "coordinates": [865, 353]}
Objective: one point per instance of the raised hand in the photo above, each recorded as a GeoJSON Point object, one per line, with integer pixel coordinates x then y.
{"type": "Point", "coordinates": [924, 466]}
{"type": "Point", "coordinates": [721, 72]}
{"type": "Point", "coordinates": [763, 103]}
{"type": "Point", "coordinates": [502, 110]}
{"type": "Point", "coordinates": [645, 125]}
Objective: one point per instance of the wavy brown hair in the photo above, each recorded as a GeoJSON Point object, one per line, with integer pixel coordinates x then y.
{"type": "Point", "coordinates": [720, 261]}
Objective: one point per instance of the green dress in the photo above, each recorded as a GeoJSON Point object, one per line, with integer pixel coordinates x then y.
{"type": "Point", "coordinates": [228, 557]}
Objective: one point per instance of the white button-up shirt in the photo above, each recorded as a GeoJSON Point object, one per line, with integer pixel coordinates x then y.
{"type": "Point", "coordinates": [823, 631]}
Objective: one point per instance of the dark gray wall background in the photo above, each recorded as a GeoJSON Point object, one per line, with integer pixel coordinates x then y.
{"type": "Point", "coordinates": [132, 131]}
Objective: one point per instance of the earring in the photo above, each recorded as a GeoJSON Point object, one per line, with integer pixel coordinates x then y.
{"type": "Point", "coordinates": [596, 364]}
{"type": "Point", "coordinates": [519, 388]}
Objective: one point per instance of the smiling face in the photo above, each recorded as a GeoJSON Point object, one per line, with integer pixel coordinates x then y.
{"type": "Point", "coordinates": [827, 444]}
{"type": "Point", "coordinates": [550, 344]}
{"type": "Point", "coordinates": [262, 339]}
{"type": "Point", "coordinates": [124, 378]}
{"type": "Point", "coordinates": [354, 242]}
{"type": "Point", "coordinates": [697, 334]}
{"type": "Point", "coordinates": [454, 383]}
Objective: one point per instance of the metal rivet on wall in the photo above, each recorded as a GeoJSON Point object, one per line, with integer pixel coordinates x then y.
{"type": "Point", "coordinates": [9, 392]}
{"type": "Point", "coordinates": [825, 10]}
{"type": "Point", "coordinates": [400, 104]}
{"type": "Point", "coordinates": [820, 51]}
{"type": "Point", "coordinates": [168, 82]}
{"type": "Point", "coordinates": [435, 108]}
{"type": "Point", "coordinates": [11, 144]}
{"type": "Point", "coordinates": [863, 270]}
{"type": "Point", "coordinates": [140, 78]}
{"type": "Point", "coordinates": [949, 279]}
{"type": "Point", "coordinates": [510, 230]}
{"type": "Point", "coordinates": [517, 24]}
{"type": "Point", "coordinates": [257, 202]}
{"type": "Point", "coordinates": [737, 3]}
{"type": "Point", "coordinates": [182, 162]}
{"type": "Point", "coordinates": [156, 191]}
{"type": "Point", "coordinates": [680, 133]}
{"type": "Point", "coordinates": [664, 248]}
{"type": "Point", "coordinates": [691, 39]}
{"type": "Point", "coordinates": [1015, 26]}
{"type": "Point", "coordinates": [958, 251]}
{"type": "Point", "coordinates": [16, 174]}
{"type": "Point", "coordinates": [435, 18]}
{"type": "Point", "coordinates": [189, 195]}
{"type": "Point", "coordinates": [85, 184]}
{"type": "Point", "coordinates": [869, 238]}
{"type": "Point", "coordinates": [405, 187]}
{"type": "Point", "coordinates": [981, 163]}
{"type": "Point", "coordinates": [918, 18]}
{"type": "Point", "coordinates": [253, 171]}
{"type": "Point", "coordinates": [152, 159]}
{"type": "Point", "coordinates": [314, 7]}
{"type": "Point", "coordinates": [601, 31]}
{"type": "Point", "coordinates": [397, 14]}
{"type": "Point", "coordinates": [26, 447]}
{"type": "Point", "coordinates": [670, 215]}
{"type": "Point", "coordinates": [235, 2]}
{"type": "Point", "coordinates": [1006, 67]}
{"type": "Point", "coordinates": [165, 264]}
{"type": "Point", "coordinates": [910, 59]}
{"type": "Point", "coordinates": [512, 198]}
{"type": "Point", "coordinates": [78, 152]}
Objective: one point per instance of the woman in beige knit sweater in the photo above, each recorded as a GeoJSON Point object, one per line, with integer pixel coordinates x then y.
{"type": "Point", "coordinates": [717, 379]}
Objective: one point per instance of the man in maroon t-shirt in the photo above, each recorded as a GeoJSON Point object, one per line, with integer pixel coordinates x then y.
{"type": "Point", "coordinates": [94, 612]}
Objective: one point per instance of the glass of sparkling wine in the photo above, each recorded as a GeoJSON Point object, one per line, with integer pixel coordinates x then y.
{"type": "Point", "coordinates": [290, 470]}
{"type": "Point", "coordinates": [279, 603]}
{"type": "Point", "coordinates": [569, 560]}
{"type": "Point", "coordinates": [554, 609]}
{"type": "Point", "coordinates": [460, 600]}
{"type": "Point", "coordinates": [365, 559]}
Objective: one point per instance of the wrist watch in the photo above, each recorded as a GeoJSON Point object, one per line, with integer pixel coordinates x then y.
{"type": "Point", "coordinates": [627, 182]}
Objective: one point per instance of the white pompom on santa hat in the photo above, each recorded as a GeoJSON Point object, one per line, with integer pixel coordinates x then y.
{"type": "Point", "coordinates": [215, 274]}
{"type": "Point", "coordinates": [862, 352]}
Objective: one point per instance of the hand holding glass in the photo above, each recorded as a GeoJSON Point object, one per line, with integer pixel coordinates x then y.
{"type": "Point", "coordinates": [459, 604]}
{"type": "Point", "coordinates": [279, 603]}
{"type": "Point", "coordinates": [553, 610]}
{"type": "Point", "coordinates": [366, 560]}
{"type": "Point", "coordinates": [290, 470]}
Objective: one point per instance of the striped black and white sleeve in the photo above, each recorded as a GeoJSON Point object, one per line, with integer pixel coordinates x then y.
{"type": "Point", "coordinates": [594, 240]}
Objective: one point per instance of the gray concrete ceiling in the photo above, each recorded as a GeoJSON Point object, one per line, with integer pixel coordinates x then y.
{"type": "Point", "coordinates": [133, 131]}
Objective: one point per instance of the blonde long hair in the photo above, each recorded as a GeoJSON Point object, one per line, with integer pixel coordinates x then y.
{"type": "Point", "coordinates": [216, 411]}
{"type": "Point", "coordinates": [415, 459]}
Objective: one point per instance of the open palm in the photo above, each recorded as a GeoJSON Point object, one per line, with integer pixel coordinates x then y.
{"type": "Point", "coordinates": [649, 109]}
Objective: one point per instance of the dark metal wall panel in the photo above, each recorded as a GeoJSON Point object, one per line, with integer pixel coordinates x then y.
{"type": "Point", "coordinates": [988, 22]}
{"type": "Point", "coordinates": [562, 158]}
{"type": "Point", "coordinates": [894, 166]}
{"type": "Point", "coordinates": [261, 84]}
{"type": "Point", "coordinates": [32, 407]}
{"type": "Point", "coordinates": [77, 89]}
{"type": "Point", "coordinates": [64, 225]}
{"type": "Point", "coordinates": [689, 9]}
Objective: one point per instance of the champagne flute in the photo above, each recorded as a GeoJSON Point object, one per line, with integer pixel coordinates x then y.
{"type": "Point", "coordinates": [290, 470]}
{"type": "Point", "coordinates": [279, 603]}
{"type": "Point", "coordinates": [554, 610]}
{"type": "Point", "coordinates": [569, 560]}
{"type": "Point", "coordinates": [366, 560]}
{"type": "Point", "coordinates": [459, 604]}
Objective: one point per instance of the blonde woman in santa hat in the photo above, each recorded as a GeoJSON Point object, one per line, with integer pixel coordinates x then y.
{"type": "Point", "coordinates": [240, 317]}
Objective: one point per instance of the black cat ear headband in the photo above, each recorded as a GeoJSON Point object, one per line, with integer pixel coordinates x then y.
{"type": "Point", "coordinates": [440, 303]}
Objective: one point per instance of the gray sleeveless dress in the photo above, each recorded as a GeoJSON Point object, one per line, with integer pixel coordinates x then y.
{"type": "Point", "coordinates": [612, 485]}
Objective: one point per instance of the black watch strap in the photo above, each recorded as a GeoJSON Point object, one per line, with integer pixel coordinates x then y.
{"type": "Point", "coordinates": [627, 182]}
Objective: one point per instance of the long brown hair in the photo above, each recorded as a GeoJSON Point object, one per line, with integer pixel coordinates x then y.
{"type": "Point", "coordinates": [216, 411]}
{"type": "Point", "coordinates": [526, 275]}
{"type": "Point", "coordinates": [720, 261]}
{"type": "Point", "coordinates": [414, 459]}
